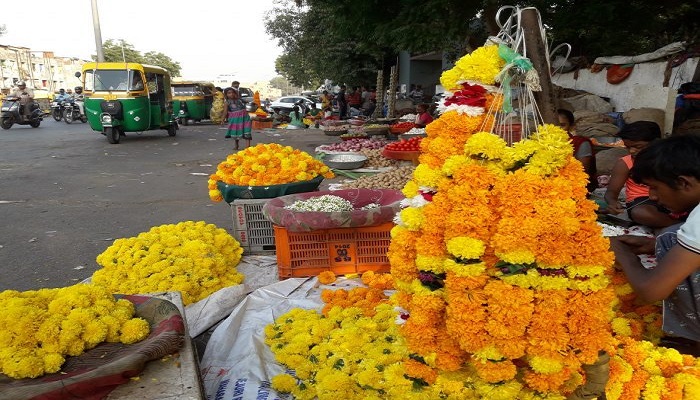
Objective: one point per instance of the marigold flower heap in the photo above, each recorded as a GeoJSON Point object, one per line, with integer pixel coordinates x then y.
{"type": "Point", "coordinates": [39, 328]}
{"type": "Point", "coordinates": [194, 258]}
{"type": "Point", "coordinates": [266, 164]}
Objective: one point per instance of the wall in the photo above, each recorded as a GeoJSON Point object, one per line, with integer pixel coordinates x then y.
{"type": "Point", "coordinates": [643, 88]}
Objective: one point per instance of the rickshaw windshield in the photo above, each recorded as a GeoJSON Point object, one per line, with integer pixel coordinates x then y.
{"type": "Point", "coordinates": [113, 80]}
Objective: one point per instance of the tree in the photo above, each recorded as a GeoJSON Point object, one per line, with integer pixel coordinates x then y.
{"type": "Point", "coordinates": [3, 30]}
{"type": "Point", "coordinates": [348, 41]}
{"type": "Point", "coordinates": [163, 61]}
{"type": "Point", "coordinates": [120, 51]}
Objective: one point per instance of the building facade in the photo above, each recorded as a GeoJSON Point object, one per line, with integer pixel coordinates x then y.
{"type": "Point", "coordinates": [41, 70]}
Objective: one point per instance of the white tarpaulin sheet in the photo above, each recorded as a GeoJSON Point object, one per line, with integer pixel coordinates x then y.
{"type": "Point", "coordinates": [237, 364]}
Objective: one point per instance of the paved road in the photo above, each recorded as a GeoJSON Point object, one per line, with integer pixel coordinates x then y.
{"type": "Point", "coordinates": [66, 193]}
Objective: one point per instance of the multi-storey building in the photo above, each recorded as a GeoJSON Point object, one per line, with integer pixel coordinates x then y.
{"type": "Point", "coordinates": [41, 70]}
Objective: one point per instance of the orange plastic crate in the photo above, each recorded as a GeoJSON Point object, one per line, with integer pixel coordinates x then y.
{"type": "Point", "coordinates": [343, 250]}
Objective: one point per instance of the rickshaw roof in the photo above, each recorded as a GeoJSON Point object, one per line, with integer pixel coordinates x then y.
{"type": "Point", "coordinates": [123, 66]}
{"type": "Point", "coordinates": [202, 83]}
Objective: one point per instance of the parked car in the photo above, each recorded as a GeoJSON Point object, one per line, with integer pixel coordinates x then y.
{"type": "Point", "coordinates": [286, 103]}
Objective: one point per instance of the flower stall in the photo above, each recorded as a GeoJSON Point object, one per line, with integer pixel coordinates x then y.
{"type": "Point", "coordinates": [503, 283]}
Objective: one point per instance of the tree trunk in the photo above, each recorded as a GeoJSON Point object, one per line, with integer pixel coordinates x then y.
{"type": "Point", "coordinates": [537, 53]}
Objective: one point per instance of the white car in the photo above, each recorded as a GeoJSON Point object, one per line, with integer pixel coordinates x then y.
{"type": "Point", "coordinates": [286, 103]}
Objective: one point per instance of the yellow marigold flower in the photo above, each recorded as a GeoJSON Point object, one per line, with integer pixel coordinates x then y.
{"type": "Point", "coordinates": [410, 189]}
{"type": "Point", "coordinates": [466, 248]}
{"type": "Point", "coordinates": [284, 383]}
{"type": "Point", "coordinates": [134, 330]}
{"type": "Point", "coordinates": [517, 256]}
{"type": "Point", "coordinates": [412, 218]}
{"type": "Point", "coordinates": [485, 145]}
{"type": "Point", "coordinates": [543, 365]}
{"type": "Point", "coordinates": [326, 277]}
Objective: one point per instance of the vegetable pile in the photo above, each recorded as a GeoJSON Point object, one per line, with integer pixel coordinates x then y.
{"type": "Point", "coordinates": [412, 144]}
{"type": "Point", "coordinates": [355, 145]}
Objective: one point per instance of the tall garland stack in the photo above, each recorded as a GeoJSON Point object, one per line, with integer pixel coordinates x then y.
{"type": "Point", "coordinates": [488, 255]}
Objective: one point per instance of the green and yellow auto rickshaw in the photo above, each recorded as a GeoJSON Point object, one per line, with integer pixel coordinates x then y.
{"type": "Point", "coordinates": [127, 97]}
{"type": "Point", "coordinates": [192, 100]}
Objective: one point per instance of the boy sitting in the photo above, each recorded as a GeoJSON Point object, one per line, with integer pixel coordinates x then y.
{"type": "Point", "coordinates": [671, 170]}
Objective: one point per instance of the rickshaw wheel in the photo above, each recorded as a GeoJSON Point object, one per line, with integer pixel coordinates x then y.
{"type": "Point", "coordinates": [172, 130]}
{"type": "Point", "coordinates": [112, 135]}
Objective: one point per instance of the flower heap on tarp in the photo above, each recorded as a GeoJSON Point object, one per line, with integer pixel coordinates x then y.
{"type": "Point", "coordinates": [266, 164]}
{"type": "Point", "coordinates": [194, 258]}
{"type": "Point", "coordinates": [499, 258]}
{"type": "Point", "coordinates": [39, 328]}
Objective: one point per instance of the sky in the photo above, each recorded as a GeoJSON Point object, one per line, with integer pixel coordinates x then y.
{"type": "Point", "coordinates": [207, 37]}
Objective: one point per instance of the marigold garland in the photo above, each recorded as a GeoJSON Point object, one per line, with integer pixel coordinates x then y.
{"type": "Point", "coordinates": [194, 258]}
{"type": "Point", "coordinates": [39, 328]}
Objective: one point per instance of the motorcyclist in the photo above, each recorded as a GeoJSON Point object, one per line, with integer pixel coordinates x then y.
{"type": "Point", "coordinates": [26, 97]}
{"type": "Point", "coordinates": [62, 95]}
{"type": "Point", "coordinates": [79, 99]}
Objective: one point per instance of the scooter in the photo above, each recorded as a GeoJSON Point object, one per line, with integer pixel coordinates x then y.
{"type": "Point", "coordinates": [71, 111]}
{"type": "Point", "coordinates": [57, 109]}
{"type": "Point", "coordinates": [12, 113]}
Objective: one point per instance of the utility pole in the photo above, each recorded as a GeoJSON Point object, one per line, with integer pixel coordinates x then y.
{"type": "Point", "coordinates": [98, 32]}
{"type": "Point", "coordinates": [537, 53]}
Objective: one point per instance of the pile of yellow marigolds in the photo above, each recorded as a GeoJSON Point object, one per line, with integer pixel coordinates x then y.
{"type": "Point", "coordinates": [266, 164]}
{"type": "Point", "coordinates": [40, 328]}
{"type": "Point", "coordinates": [191, 257]}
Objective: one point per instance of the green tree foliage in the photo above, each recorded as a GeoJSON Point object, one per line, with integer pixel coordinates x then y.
{"type": "Point", "coordinates": [163, 61]}
{"type": "Point", "coordinates": [119, 50]}
{"type": "Point", "coordinates": [349, 41]}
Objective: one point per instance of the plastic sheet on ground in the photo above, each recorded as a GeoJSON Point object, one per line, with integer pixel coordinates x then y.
{"type": "Point", "coordinates": [258, 271]}
{"type": "Point", "coordinates": [237, 364]}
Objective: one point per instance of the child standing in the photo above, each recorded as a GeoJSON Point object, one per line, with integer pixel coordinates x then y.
{"type": "Point", "coordinates": [640, 208]}
{"type": "Point", "coordinates": [239, 123]}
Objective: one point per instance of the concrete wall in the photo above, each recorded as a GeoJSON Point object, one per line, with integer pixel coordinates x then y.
{"type": "Point", "coordinates": [643, 88]}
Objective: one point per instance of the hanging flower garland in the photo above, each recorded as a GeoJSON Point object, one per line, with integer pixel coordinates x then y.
{"type": "Point", "coordinates": [194, 258]}
{"type": "Point", "coordinates": [40, 328]}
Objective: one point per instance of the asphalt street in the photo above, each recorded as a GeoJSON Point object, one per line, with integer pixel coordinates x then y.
{"type": "Point", "coordinates": [66, 194]}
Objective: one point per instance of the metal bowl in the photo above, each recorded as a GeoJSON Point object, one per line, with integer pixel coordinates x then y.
{"type": "Point", "coordinates": [345, 160]}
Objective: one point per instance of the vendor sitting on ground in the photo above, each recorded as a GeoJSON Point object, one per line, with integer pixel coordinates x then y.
{"type": "Point", "coordinates": [314, 113]}
{"type": "Point", "coordinates": [423, 117]}
{"type": "Point", "coordinates": [670, 169]}
{"type": "Point", "coordinates": [640, 208]}
{"type": "Point", "coordinates": [296, 118]}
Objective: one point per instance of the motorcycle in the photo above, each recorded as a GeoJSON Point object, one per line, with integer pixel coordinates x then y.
{"type": "Point", "coordinates": [71, 111]}
{"type": "Point", "coordinates": [12, 113]}
{"type": "Point", "coordinates": [57, 109]}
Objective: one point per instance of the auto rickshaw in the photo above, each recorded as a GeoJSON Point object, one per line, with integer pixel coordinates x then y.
{"type": "Point", "coordinates": [192, 100]}
{"type": "Point", "coordinates": [127, 97]}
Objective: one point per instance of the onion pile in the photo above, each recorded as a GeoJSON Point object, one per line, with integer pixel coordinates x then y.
{"type": "Point", "coordinates": [395, 179]}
